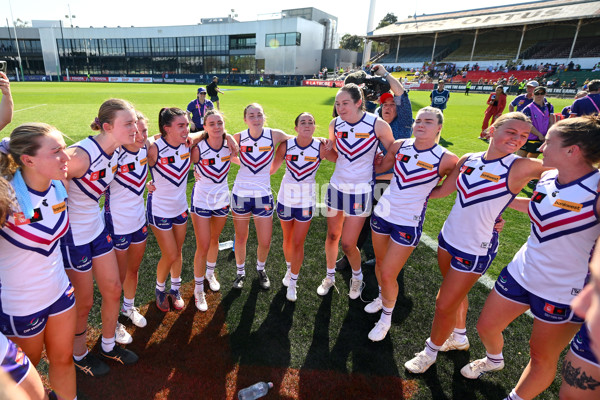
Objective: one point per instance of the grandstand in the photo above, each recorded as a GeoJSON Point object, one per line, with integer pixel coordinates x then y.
{"type": "Point", "coordinates": [554, 31]}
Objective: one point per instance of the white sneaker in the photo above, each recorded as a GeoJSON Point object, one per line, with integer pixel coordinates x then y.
{"type": "Point", "coordinates": [475, 369]}
{"type": "Point", "coordinates": [291, 293]}
{"type": "Point", "coordinates": [213, 283]}
{"type": "Point", "coordinates": [200, 301]}
{"type": "Point", "coordinates": [326, 284]}
{"type": "Point", "coordinates": [378, 333]}
{"type": "Point", "coordinates": [356, 287]}
{"type": "Point", "coordinates": [134, 315]}
{"type": "Point", "coordinates": [374, 306]}
{"type": "Point", "coordinates": [420, 363]}
{"type": "Point", "coordinates": [121, 334]}
{"type": "Point", "coordinates": [286, 279]}
{"type": "Point", "coordinates": [452, 344]}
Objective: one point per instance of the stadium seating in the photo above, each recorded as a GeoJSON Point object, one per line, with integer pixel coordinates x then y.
{"type": "Point", "coordinates": [584, 47]}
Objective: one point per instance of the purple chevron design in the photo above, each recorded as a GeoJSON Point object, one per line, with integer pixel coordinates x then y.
{"type": "Point", "coordinates": [216, 175]}
{"type": "Point", "coordinates": [26, 237]}
{"type": "Point", "coordinates": [256, 164]}
{"type": "Point", "coordinates": [348, 149]}
{"type": "Point", "coordinates": [172, 173]}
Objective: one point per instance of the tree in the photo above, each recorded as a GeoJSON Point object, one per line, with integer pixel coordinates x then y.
{"type": "Point", "coordinates": [351, 42]}
{"type": "Point", "coordinates": [389, 19]}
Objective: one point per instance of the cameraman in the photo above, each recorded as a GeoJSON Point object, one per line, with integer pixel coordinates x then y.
{"type": "Point", "coordinates": [396, 110]}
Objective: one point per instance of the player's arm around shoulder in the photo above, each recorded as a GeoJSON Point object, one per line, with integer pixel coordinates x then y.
{"type": "Point", "coordinates": [448, 163]}
{"type": "Point", "coordinates": [384, 133]}
{"type": "Point", "coordinates": [388, 160]}
{"type": "Point", "coordinates": [279, 157]}
{"type": "Point", "coordinates": [524, 170]}
{"type": "Point", "coordinates": [152, 155]}
{"type": "Point", "coordinates": [448, 186]}
{"type": "Point", "coordinates": [279, 136]}
{"type": "Point", "coordinates": [79, 162]}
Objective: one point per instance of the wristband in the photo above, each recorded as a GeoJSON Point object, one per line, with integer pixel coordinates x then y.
{"type": "Point", "coordinates": [386, 74]}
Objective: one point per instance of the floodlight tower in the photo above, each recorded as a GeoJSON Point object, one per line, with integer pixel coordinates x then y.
{"type": "Point", "coordinates": [370, 27]}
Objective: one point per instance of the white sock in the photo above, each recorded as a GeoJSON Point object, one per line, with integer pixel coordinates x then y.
{"type": "Point", "coordinates": [175, 283]}
{"type": "Point", "coordinates": [198, 284]}
{"type": "Point", "coordinates": [293, 279]}
{"type": "Point", "coordinates": [210, 268]}
{"type": "Point", "coordinates": [357, 274]}
{"type": "Point", "coordinates": [513, 396]}
{"type": "Point", "coordinates": [260, 265]}
{"type": "Point", "coordinates": [386, 315]}
{"type": "Point", "coordinates": [128, 303]}
{"type": "Point", "coordinates": [160, 286]}
{"type": "Point", "coordinates": [108, 344]}
{"type": "Point", "coordinates": [331, 274]}
{"type": "Point", "coordinates": [494, 358]}
{"type": "Point", "coordinates": [431, 349]}
{"type": "Point", "coordinates": [288, 265]}
{"type": "Point", "coordinates": [380, 298]}
{"type": "Point", "coordinates": [81, 357]}
{"type": "Point", "coordinates": [460, 335]}
{"type": "Point", "coordinates": [241, 269]}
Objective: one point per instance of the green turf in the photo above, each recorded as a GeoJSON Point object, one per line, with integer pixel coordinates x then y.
{"type": "Point", "coordinates": [314, 333]}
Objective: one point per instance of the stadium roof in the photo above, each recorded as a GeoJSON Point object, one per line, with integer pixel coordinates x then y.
{"type": "Point", "coordinates": [493, 17]}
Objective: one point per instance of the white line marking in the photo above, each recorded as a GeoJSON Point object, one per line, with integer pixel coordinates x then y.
{"type": "Point", "coordinates": [484, 280]}
{"type": "Point", "coordinates": [29, 108]}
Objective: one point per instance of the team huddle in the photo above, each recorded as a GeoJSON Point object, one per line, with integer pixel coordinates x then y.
{"type": "Point", "coordinates": [55, 240]}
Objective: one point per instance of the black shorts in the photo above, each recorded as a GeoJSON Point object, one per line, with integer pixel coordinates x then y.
{"type": "Point", "coordinates": [532, 146]}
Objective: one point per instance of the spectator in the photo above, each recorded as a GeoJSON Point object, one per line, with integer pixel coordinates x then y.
{"type": "Point", "coordinates": [573, 83]}
{"type": "Point", "coordinates": [196, 110]}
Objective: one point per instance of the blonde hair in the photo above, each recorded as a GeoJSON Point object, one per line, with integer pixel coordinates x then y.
{"type": "Point", "coordinates": [140, 116]}
{"type": "Point", "coordinates": [504, 118]}
{"type": "Point", "coordinates": [24, 140]}
{"type": "Point", "coordinates": [7, 200]}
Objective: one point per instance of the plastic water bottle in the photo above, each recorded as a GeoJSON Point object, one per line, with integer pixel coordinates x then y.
{"type": "Point", "coordinates": [226, 245]}
{"type": "Point", "coordinates": [255, 391]}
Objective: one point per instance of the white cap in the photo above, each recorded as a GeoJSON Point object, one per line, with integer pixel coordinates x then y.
{"type": "Point", "coordinates": [533, 83]}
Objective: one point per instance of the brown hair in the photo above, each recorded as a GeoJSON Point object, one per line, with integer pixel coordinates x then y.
{"type": "Point", "coordinates": [7, 200]}
{"type": "Point", "coordinates": [355, 92]}
{"type": "Point", "coordinates": [166, 117]}
{"type": "Point", "coordinates": [300, 115]}
{"type": "Point", "coordinates": [24, 140]}
{"type": "Point", "coordinates": [254, 105]}
{"type": "Point", "coordinates": [209, 113]}
{"type": "Point", "coordinates": [108, 112]}
{"type": "Point", "coordinates": [583, 132]}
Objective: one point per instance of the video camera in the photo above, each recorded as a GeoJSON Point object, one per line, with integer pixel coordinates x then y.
{"type": "Point", "coordinates": [373, 86]}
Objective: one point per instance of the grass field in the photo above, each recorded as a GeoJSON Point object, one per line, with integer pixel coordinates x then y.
{"type": "Point", "coordinates": [317, 347]}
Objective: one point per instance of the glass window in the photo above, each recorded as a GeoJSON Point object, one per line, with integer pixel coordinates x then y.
{"type": "Point", "coordinates": [244, 64]}
{"type": "Point", "coordinates": [275, 40]}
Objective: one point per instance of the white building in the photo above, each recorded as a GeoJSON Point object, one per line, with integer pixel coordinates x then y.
{"type": "Point", "coordinates": [289, 45]}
